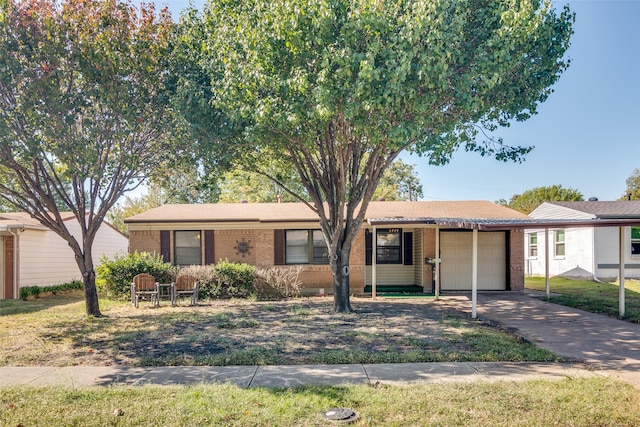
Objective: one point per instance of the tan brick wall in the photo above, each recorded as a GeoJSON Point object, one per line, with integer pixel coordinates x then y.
{"type": "Point", "coordinates": [516, 259]}
{"type": "Point", "coordinates": [226, 243]}
{"type": "Point", "coordinates": [144, 241]}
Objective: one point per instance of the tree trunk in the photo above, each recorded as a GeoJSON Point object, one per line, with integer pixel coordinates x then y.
{"type": "Point", "coordinates": [91, 293]}
{"type": "Point", "coordinates": [341, 292]}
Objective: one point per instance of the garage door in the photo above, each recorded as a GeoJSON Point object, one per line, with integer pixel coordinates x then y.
{"type": "Point", "coordinates": [456, 251]}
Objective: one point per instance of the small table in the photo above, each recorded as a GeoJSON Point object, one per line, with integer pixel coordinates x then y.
{"type": "Point", "coordinates": [167, 290]}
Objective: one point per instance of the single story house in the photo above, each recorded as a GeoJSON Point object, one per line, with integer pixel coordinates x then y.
{"type": "Point", "coordinates": [586, 251]}
{"type": "Point", "coordinates": [31, 254]}
{"type": "Point", "coordinates": [396, 249]}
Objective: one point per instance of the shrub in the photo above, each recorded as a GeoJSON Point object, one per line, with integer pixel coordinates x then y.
{"type": "Point", "coordinates": [278, 282]}
{"type": "Point", "coordinates": [35, 291]}
{"type": "Point", "coordinates": [233, 280]}
{"type": "Point", "coordinates": [114, 276]}
{"type": "Point", "coordinates": [206, 279]}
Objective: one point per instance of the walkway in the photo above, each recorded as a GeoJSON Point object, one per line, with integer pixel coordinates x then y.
{"type": "Point", "coordinates": [594, 344]}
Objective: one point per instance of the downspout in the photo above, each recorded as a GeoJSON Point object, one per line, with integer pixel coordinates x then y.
{"type": "Point", "coordinates": [16, 287]}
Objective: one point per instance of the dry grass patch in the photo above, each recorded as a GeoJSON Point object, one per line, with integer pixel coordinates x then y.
{"type": "Point", "coordinates": [55, 332]}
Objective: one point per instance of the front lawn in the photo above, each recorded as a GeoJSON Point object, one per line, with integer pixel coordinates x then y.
{"type": "Point", "coordinates": [596, 297]}
{"type": "Point", "coordinates": [54, 331]}
{"type": "Point", "coordinates": [592, 401]}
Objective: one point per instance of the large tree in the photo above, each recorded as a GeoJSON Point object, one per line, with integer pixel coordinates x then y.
{"type": "Point", "coordinates": [531, 199]}
{"type": "Point", "coordinates": [340, 88]}
{"type": "Point", "coordinates": [633, 186]}
{"type": "Point", "coordinates": [83, 113]}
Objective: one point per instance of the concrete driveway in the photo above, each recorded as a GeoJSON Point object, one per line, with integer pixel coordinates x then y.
{"type": "Point", "coordinates": [602, 342]}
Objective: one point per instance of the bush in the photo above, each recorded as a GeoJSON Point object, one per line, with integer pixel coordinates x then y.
{"type": "Point", "coordinates": [114, 276]}
{"type": "Point", "coordinates": [35, 291]}
{"type": "Point", "coordinates": [206, 279]}
{"type": "Point", "coordinates": [278, 282]}
{"type": "Point", "coordinates": [233, 280]}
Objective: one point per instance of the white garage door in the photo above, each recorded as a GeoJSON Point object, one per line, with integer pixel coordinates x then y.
{"type": "Point", "coordinates": [456, 250]}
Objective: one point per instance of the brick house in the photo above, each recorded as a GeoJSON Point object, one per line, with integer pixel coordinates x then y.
{"type": "Point", "coordinates": [407, 237]}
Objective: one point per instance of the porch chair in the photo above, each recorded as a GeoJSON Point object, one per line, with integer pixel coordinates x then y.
{"type": "Point", "coordinates": [143, 286]}
{"type": "Point", "coordinates": [185, 285]}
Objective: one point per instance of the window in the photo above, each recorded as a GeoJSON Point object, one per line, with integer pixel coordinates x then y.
{"type": "Point", "coordinates": [187, 249]}
{"type": "Point", "coordinates": [533, 245]}
{"type": "Point", "coordinates": [305, 247]}
{"type": "Point", "coordinates": [389, 246]}
{"type": "Point", "coordinates": [558, 243]}
{"type": "Point", "coordinates": [635, 240]}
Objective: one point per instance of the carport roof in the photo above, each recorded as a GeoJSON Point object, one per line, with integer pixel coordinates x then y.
{"type": "Point", "coordinates": [486, 224]}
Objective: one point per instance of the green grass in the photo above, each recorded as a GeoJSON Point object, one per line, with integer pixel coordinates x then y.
{"type": "Point", "coordinates": [595, 297]}
{"type": "Point", "coordinates": [594, 401]}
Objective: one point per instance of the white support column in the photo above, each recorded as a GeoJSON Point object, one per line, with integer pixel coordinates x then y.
{"type": "Point", "coordinates": [437, 265]}
{"type": "Point", "coordinates": [546, 262]}
{"type": "Point", "coordinates": [474, 275]}
{"type": "Point", "coordinates": [621, 301]}
{"type": "Point", "coordinates": [374, 257]}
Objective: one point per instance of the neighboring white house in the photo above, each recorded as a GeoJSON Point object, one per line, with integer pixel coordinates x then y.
{"type": "Point", "coordinates": [31, 254]}
{"type": "Point", "coordinates": [588, 252]}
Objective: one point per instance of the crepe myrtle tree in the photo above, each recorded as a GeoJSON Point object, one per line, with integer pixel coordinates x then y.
{"type": "Point", "coordinates": [83, 117]}
{"type": "Point", "coordinates": [339, 88]}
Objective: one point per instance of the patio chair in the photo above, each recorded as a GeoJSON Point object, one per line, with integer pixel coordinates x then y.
{"type": "Point", "coordinates": [186, 285]}
{"type": "Point", "coordinates": [145, 286]}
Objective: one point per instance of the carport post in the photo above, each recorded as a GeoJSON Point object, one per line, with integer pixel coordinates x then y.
{"type": "Point", "coordinates": [474, 275]}
{"type": "Point", "coordinates": [621, 272]}
{"type": "Point", "coordinates": [437, 266]}
{"type": "Point", "coordinates": [374, 268]}
{"type": "Point", "coordinates": [546, 262]}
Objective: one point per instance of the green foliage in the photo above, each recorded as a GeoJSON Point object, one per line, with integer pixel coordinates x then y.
{"type": "Point", "coordinates": [114, 276]}
{"type": "Point", "coordinates": [340, 88]}
{"type": "Point", "coordinates": [36, 291]}
{"type": "Point", "coordinates": [531, 199]}
{"type": "Point", "coordinates": [84, 115]}
{"type": "Point", "coordinates": [233, 280]}
{"type": "Point", "coordinates": [399, 182]}
{"type": "Point", "coordinates": [633, 186]}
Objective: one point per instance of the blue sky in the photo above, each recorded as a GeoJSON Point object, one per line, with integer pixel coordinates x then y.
{"type": "Point", "coordinates": [587, 134]}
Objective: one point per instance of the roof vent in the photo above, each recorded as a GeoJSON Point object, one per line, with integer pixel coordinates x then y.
{"type": "Point", "coordinates": [382, 199]}
{"type": "Point", "coordinates": [243, 201]}
{"type": "Point", "coordinates": [593, 199]}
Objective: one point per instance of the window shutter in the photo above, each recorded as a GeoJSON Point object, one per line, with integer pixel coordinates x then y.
{"type": "Point", "coordinates": [368, 247]}
{"type": "Point", "coordinates": [165, 245]}
{"type": "Point", "coordinates": [209, 251]}
{"type": "Point", "coordinates": [278, 247]}
{"type": "Point", "coordinates": [408, 248]}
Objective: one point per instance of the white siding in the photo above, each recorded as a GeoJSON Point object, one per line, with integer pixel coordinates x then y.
{"type": "Point", "coordinates": [47, 259]}
{"type": "Point", "coordinates": [577, 261]}
{"type": "Point", "coordinates": [551, 211]}
{"type": "Point", "coordinates": [607, 254]}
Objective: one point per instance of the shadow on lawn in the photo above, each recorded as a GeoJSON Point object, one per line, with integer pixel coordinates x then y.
{"type": "Point", "coordinates": [18, 306]}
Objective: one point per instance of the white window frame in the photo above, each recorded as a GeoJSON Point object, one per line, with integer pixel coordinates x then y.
{"type": "Point", "coordinates": [178, 250]}
{"type": "Point", "coordinates": [533, 246]}
{"type": "Point", "coordinates": [557, 244]}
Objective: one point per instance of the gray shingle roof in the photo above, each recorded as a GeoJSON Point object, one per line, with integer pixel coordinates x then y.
{"type": "Point", "coordinates": [605, 209]}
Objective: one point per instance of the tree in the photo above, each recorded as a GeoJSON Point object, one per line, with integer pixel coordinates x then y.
{"type": "Point", "coordinates": [133, 206]}
{"type": "Point", "coordinates": [340, 88]}
{"type": "Point", "coordinates": [399, 182]}
{"type": "Point", "coordinates": [83, 114]}
{"type": "Point", "coordinates": [633, 186]}
{"type": "Point", "coordinates": [531, 199]}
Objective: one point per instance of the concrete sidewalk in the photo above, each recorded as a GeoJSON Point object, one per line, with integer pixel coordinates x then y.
{"type": "Point", "coordinates": [287, 376]}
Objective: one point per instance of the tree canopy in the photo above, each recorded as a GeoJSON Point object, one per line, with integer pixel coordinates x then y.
{"type": "Point", "coordinates": [531, 199]}
{"type": "Point", "coordinates": [633, 186]}
{"type": "Point", "coordinates": [340, 88]}
{"type": "Point", "coordinates": [84, 117]}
